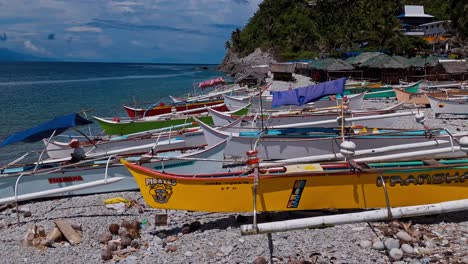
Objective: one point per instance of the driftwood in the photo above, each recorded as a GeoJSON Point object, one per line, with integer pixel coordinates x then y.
{"type": "Point", "coordinates": [30, 235]}
{"type": "Point", "coordinates": [54, 236]}
{"type": "Point", "coordinates": [77, 227]}
{"type": "Point", "coordinates": [41, 231]}
{"type": "Point", "coordinates": [36, 241]}
{"type": "Point", "coordinates": [68, 232]}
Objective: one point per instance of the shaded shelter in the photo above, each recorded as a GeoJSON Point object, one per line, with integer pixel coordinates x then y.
{"type": "Point", "coordinates": [282, 71]}
{"type": "Point", "coordinates": [327, 69]}
{"type": "Point", "coordinates": [451, 70]}
{"type": "Point", "coordinates": [420, 68]}
{"type": "Point", "coordinates": [250, 79]}
{"type": "Point", "coordinates": [45, 130]}
{"type": "Point", "coordinates": [379, 66]}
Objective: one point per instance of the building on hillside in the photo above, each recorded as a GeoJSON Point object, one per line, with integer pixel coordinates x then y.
{"type": "Point", "coordinates": [282, 71]}
{"type": "Point", "coordinates": [412, 18]}
{"type": "Point", "coordinates": [437, 34]}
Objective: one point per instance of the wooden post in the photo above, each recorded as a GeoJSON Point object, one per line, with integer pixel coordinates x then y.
{"type": "Point", "coordinates": [68, 232]}
{"type": "Point", "coordinates": [54, 235]}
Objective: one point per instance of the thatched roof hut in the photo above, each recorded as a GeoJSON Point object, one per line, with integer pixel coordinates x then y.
{"type": "Point", "coordinates": [455, 67]}
{"type": "Point", "coordinates": [401, 60]}
{"type": "Point", "coordinates": [282, 67]}
{"type": "Point", "coordinates": [379, 66]}
{"type": "Point", "coordinates": [450, 70]}
{"type": "Point", "coordinates": [282, 71]}
{"type": "Point", "coordinates": [250, 79]}
{"type": "Point", "coordinates": [382, 61]}
{"type": "Point", "coordinates": [420, 62]}
{"type": "Point", "coordinates": [330, 65]}
{"type": "Point", "coordinates": [361, 58]}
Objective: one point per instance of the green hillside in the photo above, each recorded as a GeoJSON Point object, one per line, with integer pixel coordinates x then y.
{"type": "Point", "coordinates": [295, 29]}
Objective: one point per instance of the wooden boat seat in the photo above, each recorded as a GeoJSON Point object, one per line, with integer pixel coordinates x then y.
{"type": "Point", "coordinates": [358, 166]}
{"type": "Point", "coordinates": [433, 162]}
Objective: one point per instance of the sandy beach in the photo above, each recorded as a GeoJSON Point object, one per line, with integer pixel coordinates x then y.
{"type": "Point", "coordinates": [216, 238]}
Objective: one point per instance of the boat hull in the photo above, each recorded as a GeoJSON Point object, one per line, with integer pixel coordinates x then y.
{"type": "Point", "coordinates": [381, 92]}
{"type": "Point", "coordinates": [129, 127]}
{"type": "Point", "coordinates": [275, 146]}
{"type": "Point", "coordinates": [58, 176]}
{"type": "Point", "coordinates": [301, 191]}
{"type": "Point", "coordinates": [167, 109]}
{"type": "Point", "coordinates": [222, 119]}
{"type": "Point", "coordinates": [420, 98]}
{"type": "Point", "coordinates": [455, 107]}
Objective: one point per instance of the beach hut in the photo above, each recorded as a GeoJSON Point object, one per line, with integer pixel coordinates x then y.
{"type": "Point", "coordinates": [250, 79]}
{"type": "Point", "coordinates": [302, 68]}
{"type": "Point", "coordinates": [282, 71]}
{"type": "Point", "coordinates": [451, 70]}
{"type": "Point", "coordinates": [421, 67]}
{"type": "Point", "coordinates": [379, 66]}
{"type": "Point", "coordinates": [327, 69]}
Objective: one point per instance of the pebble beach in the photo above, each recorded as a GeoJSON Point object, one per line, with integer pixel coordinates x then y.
{"type": "Point", "coordinates": [197, 237]}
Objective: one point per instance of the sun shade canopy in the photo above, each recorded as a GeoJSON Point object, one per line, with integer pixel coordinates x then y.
{"type": "Point", "coordinates": [44, 130]}
{"type": "Point", "coordinates": [212, 82]}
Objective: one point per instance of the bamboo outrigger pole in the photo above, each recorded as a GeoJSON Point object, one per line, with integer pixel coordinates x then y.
{"type": "Point", "coordinates": [369, 216]}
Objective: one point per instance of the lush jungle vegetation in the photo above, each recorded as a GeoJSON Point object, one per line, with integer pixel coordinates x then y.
{"type": "Point", "coordinates": [295, 29]}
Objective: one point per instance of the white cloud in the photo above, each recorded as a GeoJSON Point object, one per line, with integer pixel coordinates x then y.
{"type": "Point", "coordinates": [136, 43]}
{"type": "Point", "coordinates": [124, 7]}
{"type": "Point", "coordinates": [28, 23]}
{"type": "Point", "coordinates": [84, 29]}
{"type": "Point", "coordinates": [30, 46]}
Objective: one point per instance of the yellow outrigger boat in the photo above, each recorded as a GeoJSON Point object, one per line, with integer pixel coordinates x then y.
{"type": "Point", "coordinates": [339, 185]}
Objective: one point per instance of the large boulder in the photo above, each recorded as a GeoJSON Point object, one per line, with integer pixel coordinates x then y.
{"type": "Point", "coordinates": [233, 64]}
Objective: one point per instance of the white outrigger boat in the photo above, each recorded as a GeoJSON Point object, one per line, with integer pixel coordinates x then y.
{"type": "Point", "coordinates": [454, 105]}
{"type": "Point", "coordinates": [282, 118]}
{"type": "Point", "coordinates": [274, 144]}
{"type": "Point", "coordinates": [133, 143]}
{"type": "Point", "coordinates": [93, 174]}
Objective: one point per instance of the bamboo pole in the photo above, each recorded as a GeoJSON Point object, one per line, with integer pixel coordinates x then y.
{"type": "Point", "coordinates": [35, 195]}
{"type": "Point", "coordinates": [351, 119]}
{"type": "Point", "coordinates": [357, 153]}
{"type": "Point", "coordinates": [369, 216]}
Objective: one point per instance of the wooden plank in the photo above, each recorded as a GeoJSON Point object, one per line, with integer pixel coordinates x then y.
{"type": "Point", "coordinates": [432, 162]}
{"type": "Point", "coordinates": [68, 232]}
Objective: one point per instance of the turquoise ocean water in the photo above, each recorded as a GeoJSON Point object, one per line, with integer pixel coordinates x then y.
{"type": "Point", "coordinates": [35, 92]}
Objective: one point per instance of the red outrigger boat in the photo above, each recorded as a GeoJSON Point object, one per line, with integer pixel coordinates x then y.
{"type": "Point", "coordinates": [162, 108]}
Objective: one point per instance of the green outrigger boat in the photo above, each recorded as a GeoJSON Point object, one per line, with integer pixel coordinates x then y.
{"type": "Point", "coordinates": [381, 92]}
{"type": "Point", "coordinates": [129, 126]}
{"type": "Point", "coordinates": [125, 126]}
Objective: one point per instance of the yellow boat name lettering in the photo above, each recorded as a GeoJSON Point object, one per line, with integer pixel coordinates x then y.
{"type": "Point", "coordinates": [154, 181]}
{"type": "Point", "coordinates": [424, 178]}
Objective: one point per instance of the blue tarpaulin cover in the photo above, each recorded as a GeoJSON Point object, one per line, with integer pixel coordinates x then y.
{"type": "Point", "coordinates": [45, 130]}
{"type": "Point", "coordinates": [304, 95]}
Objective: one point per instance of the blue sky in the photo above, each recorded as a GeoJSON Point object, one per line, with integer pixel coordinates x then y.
{"type": "Point", "coordinates": [123, 31]}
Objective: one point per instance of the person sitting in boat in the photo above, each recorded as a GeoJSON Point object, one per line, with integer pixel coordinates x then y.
{"type": "Point", "coordinates": [78, 152]}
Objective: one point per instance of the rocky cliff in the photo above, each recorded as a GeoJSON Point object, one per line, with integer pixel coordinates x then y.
{"type": "Point", "coordinates": [232, 64]}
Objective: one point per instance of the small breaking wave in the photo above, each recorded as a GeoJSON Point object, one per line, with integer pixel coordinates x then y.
{"type": "Point", "coordinates": [98, 79]}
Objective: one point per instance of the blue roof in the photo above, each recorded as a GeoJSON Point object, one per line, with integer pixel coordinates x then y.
{"type": "Point", "coordinates": [44, 130]}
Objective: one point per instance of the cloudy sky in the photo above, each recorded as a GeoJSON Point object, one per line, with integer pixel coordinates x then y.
{"type": "Point", "coordinates": [125, 30]}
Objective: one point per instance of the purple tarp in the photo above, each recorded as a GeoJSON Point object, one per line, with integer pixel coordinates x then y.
{"type": "Point", "coordinates": [304, 95]}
